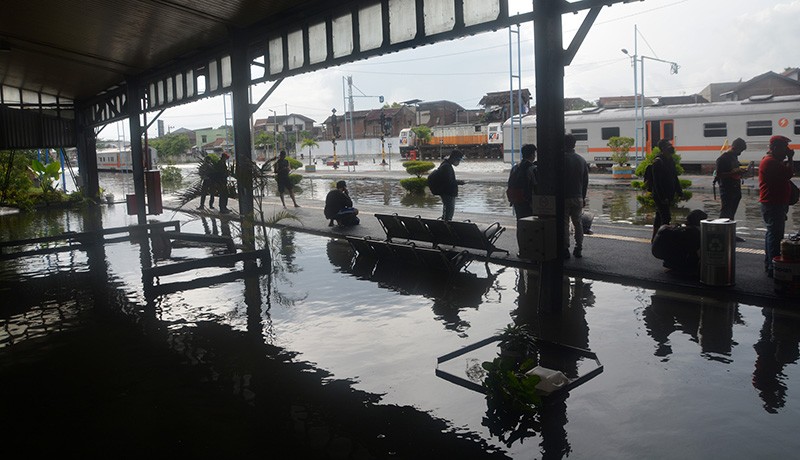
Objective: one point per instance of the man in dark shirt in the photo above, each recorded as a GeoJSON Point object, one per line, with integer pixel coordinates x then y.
{"type": "Point", "coordinates": [339, 206]}
{"type": "Point", "coordinates": [450, 184]}
{"type": "Point", "coordinates": [666, 186]}
{"type": "Point", "coordinates": [729, 177]}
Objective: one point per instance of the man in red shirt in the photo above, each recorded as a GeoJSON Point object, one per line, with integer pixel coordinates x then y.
{"type": "Point", "coordinates": [774, 174]}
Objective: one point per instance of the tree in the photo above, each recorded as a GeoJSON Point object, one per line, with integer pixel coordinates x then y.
{"type": "Point", "coordinates": [416, 185]}
{"type": "Point", "coordinates": [171, 146]}
{"type": "Point", "coordinates": [620, 146]}
{"type": "Point", "coordinates": [310, 143]}
{"type": "Point", "coordinates": [423, 133]}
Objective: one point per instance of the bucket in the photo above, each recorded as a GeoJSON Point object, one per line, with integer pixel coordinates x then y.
{"type": "Point", "coordinates": [786, 274]}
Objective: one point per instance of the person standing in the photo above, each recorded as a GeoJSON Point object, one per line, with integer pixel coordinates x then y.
{"type": "Point", "coordinates": [774, 173]}
{"type": "Point", "coordinates": [450, 184]}
{"type": "Point", "coordinates": [282, 170]}
{"type": "Point", "coordinates": [339, 207]}
{"type": "Point", "coordinates": [729, 177]}
{"type": "Point", "coordinates": [576, 183]}
{"type": "Point", "coordinates": [522, 183]}
{"type": "Point", "coordinates": [665, 184]}
{"type": "Point", "coordinates": [221, 182]}
{"type": "Point", "coordinates": [205, 171]}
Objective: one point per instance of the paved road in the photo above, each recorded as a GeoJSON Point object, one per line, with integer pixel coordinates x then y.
{"type": "Point", "coordinates": [615, 252]}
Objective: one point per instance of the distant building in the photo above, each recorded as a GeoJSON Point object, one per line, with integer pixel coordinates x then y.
{"type": "Point", "coordinates": [714, 91]}
{"type": "Point", "coordinates": [367, 123]}
{"type": "Point", "coordinates": [614, 102]}
{"type": "Point", "coordinates": [679, 100]}
{"type": "Point", "coordinates": [188, 133]}
{"type": "Point", "coordinates": [207, 136]}
{"type": "Point", "coordinates": [283, 124]}
{"type": "Point", "coordinates": [769, 83]}
{"type": "Point", "coordinates": [497, 105]}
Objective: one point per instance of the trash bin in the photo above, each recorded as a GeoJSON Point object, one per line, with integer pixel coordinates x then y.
{"type": "Point", "coordinates": [718, 252]}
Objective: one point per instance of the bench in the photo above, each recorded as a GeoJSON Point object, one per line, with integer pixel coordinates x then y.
{"type": "Point", "coordinates": [438, 232]}
{"type": "Point", "coordinates": [409, 253]}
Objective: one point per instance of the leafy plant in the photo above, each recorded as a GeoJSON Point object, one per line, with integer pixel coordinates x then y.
{"type": "Point", "coordinates": [620, 146]}
{"type": "Point", "coordinates": [423, 133]}
{"type": "Point", "coordinates": [417, 167]}
{"type": "Point", "coordinates": [519, 340]}
{"type": "Point", "coordinates": [414, 185]}
{"type": "Point", "coordinates": [46, 174]}
{"type": "Point", "coordinates": [508, 387]}
{"type": "Point", "coordinates": [171, 176]}
{"type": "Point", "coordinates": [171, 146]}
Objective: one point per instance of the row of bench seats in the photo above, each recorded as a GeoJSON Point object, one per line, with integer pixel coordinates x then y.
{"type": "Point", "coordinates": [439, 232]}
{"type": "Point", "coordinates": [409, 253]}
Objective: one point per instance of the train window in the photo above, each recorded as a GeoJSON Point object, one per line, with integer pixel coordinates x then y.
{"type": "Point", "coordinates": [797, 126]}
{"type": "Point", "coordinates": [581, 134]}
{"type": "Point", "coordinates": [478, 128]}
{"type": "Point", "coordinates": [759, 128]}
{"type": "Point", "coordinates": [608, 133]}
{"type": "Point", "coordinates": [715, 130]}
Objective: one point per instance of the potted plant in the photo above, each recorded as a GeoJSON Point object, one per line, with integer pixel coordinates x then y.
{"type": "Point", "coordinates": [518, 341]}
{"type": "Point", "coordinates": [620, 146]}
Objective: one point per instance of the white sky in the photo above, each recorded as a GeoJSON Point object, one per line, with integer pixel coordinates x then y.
{"type": "Point", "coordinates": [711, 40]}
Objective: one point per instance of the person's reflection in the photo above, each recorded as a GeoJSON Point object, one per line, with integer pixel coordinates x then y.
{"type": "Point", "coordinates": [209, 230]}
{"type": "Point", "coordinates": [340, 254]}
{"type": "Point", "coordinates": [709, 325]}
{"type": "Point", "coordinates": [777, 346]}
{"type": "Point", "coordinates": [288, 249]}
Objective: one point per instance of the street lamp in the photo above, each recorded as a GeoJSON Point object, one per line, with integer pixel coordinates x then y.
{"type": "Point", "coordinates": [638, 105]}
{"type": "Point", "coordinates": [274, 131]}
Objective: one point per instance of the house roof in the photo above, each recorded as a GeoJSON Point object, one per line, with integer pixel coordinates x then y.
{"type": "Point", "coordinates": [622, 101]}
{"type": "Point", "coordinates": [764, 76]}
{"type": "Point", "coordinates": [501, 97]}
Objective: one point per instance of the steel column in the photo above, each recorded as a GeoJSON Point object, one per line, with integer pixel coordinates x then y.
{"type": "Point", "coordinates": [240, 72]}
{"type": "Point", "coordinates": [134, 105]}
{"type": "Point", "coordinates": [549, 52]}
{"type": "Point", "coordinates": [87, 156]}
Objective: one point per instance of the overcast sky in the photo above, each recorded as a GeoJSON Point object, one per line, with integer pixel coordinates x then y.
{"type": "Point", "coordinates": [711, 40]}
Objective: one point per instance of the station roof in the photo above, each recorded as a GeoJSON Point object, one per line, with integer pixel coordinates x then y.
{"type": "Point", "coordinates": [79, 48]}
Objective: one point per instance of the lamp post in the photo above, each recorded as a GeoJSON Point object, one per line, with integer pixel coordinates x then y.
{"type": "Point", "coordinates": [638, 99]}
{"type": "Point", "coordinates": [334, 136]}
{"type": "Point", "coordinates": [274, 131]}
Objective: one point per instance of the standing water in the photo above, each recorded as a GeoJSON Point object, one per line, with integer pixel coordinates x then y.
{"type": "Point", "coordinates": [326, 355]}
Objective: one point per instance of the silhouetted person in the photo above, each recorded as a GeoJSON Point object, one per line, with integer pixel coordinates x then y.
{"type": "Point", "coordinates": [221, 182]}
{"type": "Point", "coordinates": [729, 177]}
{"type": "Point", "coordinates": [522, 182]}
{"type": "Point", "coordinates": [282, 170]}
{"type": "Point", "coordinates": [679, 245]}
{"type": "Point", "coordinates": [450, 190]}
{"type": "Point", "coordinates": [666, 186]}
{"type": "Point", "coordinates": [576, 184]}
{"type": "Point", "coordinates": [339, 207]}
{"type": "Point", "coordinates": [205, 171]}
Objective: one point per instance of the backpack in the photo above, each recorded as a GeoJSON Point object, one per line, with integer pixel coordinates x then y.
{"type": "Point", "coordinates": [648, 178]}
{"type": "Point", "coordinates": [517, 190]}
{"type": "Point", "coordinates": [436, 181]}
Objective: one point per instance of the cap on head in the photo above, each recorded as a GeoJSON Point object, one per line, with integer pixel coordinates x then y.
{"type": "Point", "coordinates": [778, 140]}
{"type": "Point", "coordinates": [528, 150]}
{"type": "Point", "coordinates": [739, 144]}
{"type": "Point", "coordinates": [664, 144]}
{"type": "Point", "coordinates": [341, 184]}
{"type": "Point", "coordinates": [456, 155]}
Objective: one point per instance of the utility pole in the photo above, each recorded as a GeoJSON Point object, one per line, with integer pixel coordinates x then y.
{"type": "Point", "coordinates": [334, 136]}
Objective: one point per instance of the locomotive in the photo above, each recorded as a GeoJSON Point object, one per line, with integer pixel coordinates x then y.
{"type": "Point", "coordinates": [482, 140]}
{"type": "Point", "coordinates": [698, 131]}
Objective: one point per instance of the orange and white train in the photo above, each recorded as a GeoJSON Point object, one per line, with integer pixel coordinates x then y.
{"type": "Point", "coordinates": [698, 131]}
{"type": "Point", "coordinates": [476, 140]}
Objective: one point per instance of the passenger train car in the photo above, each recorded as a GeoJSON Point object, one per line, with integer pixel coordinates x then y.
{"type": "Point", "coordinates": [698, 131]}
{"type": "Point", "coordinates": [484, 140]}
{"type": "Point", "coordinates": [118, 160]}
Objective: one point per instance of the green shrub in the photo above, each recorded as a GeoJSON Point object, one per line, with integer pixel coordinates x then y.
{"type": "Point", "coordinates": [294, 163]}
{"type": "Point", "coordinates": [417, 167]}
{"type": "Point", "coordinates": [171, 176]}
{"type": "Point", "coordinates": [414, 184]}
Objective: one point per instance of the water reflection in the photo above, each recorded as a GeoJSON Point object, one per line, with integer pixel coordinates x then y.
{"type": "Point", "coordinates": [708, 323]}
{"type": "Point", "coordinates": [776, 348]}
{"type": "Point", "coordinates": [451, 293]}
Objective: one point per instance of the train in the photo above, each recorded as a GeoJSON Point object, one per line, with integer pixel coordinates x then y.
{"type": "Point", "coordinates": [475, 140]}
{"type": "Point", "coordinates": [119, 160]}
{"type": "Point", "coordinates": [699, 131]}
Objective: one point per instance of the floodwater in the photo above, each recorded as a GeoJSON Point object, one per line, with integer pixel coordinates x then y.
{"type": "Point", "coordinates": [331, 356]}
{"type": "Point", "coordinates": [609, 205]}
